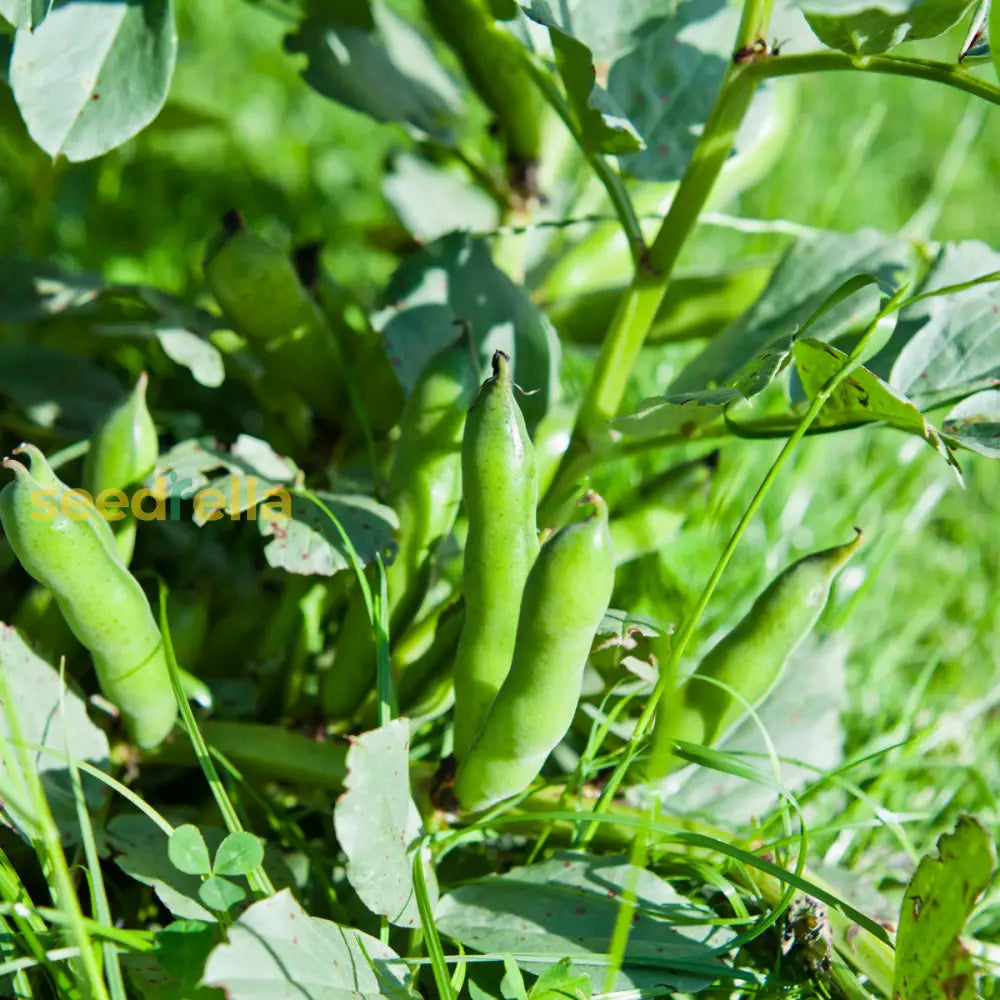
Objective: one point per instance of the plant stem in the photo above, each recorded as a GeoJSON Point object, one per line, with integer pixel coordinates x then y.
{"type": "Point", "coordinates": [922, 69]}
{"type": "Point", "coordinates": [638, 305]}
{"type": "Point", "coordinates": [753, 22]}
{"type": "Point", "coordinates": [606, 173]}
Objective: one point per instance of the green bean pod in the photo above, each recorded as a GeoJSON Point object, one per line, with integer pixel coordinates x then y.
{"type": "Point", "coordinates": [260, 292]}
{"type": "Point", "coordinates": [565, 597]}
{"type": "Point", "coordinates": [751, 658]}
{"type": "Point", "coordinates": [59, 542]}
{"type": "Point", "coordinates": [495, 67]}
{"type": "Point", "coordinates": [425, 490]}
{"type": "Point", "coordinates": [501, 496]}
{"type": "Point", "coordinates": [123, 450]}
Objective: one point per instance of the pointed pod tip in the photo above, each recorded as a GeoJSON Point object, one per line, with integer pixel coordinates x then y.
{"type": "Point", "coordinates": [33, 452]}
{"type": "Point", "coordinates": [595, 499]}
{"type": "Point", "coordinates": [18, 468]}
{"type": "Point", "coordinates": [501, 363]}
{"type": "Point", "coordinates": [233, 222]}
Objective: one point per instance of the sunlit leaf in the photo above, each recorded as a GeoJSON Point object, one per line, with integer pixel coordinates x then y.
{"type": "Point", "coordinates": [93, 74]}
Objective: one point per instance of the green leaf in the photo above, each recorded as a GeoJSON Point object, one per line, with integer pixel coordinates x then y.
{"type": "Point", "coordinates": [975, 424]}
{"type": "Point", "coordinates": [454, 279]}
{"type": "Point", "coordinates": [25, 13]}
{"type": "Point", "coordinates": [567, 906]}
{"type": "Point", "coordinates": [870, 26]}
{"type": "Point", "coordinates": [172, 971]}
{"type": "Point", "coordinates": [152, 982]}
{"type": "Point", "coordinates": [33, 289]}
{"type": "Point", "coordinates": [377, 823]}
{"type": "Point", "coordinates": [810, 272]}
{"type": "Point", "coordinates": [93, 74]}
{"type": "Point", "coordinates": [676, 413]}
{"type": "Point", "coordinates": [51, 717]}
{"type": "Point", "coordinates": [139, 848]}
{"type": "Point", "coordinates": [308, 543]}
{"type": "Point", "coordinates": [603, 125]}
{"type": "Point", "coordinates": [187, 851]}
{"type": "Point", "coordinates": [275, 949]}
{"type": "Point", "coordinates": [666, 85]}
{"type": "Point", "coordinates": [860, 398]}
{"type": "Point", "coordinates": [931, 960]}
{"type": "Point", "coordinates": [239, 854]}
{"type": "Point", "coordinates": [685, 412]}
{"type": "Point", "coordinates": [561, 982]}
{"type": "Point", "coordinates": [431, 201]}
{"type": "Point", "coordinates": [186, 348]}
{"type": "Point", "coordinates": [57, 389]}
{"type": "Point", "coordinates": [946, 345]}
{"type": "Point", "coordinates": [183, 946]}
{"type": "Point", "coordinates": [389, 72]}
{"type": "Point", "coordinates": [219, 894]}
{"type": "Point", "coordinates": [512, 985]}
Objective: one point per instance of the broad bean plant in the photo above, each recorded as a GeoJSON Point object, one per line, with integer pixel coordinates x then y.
{"type": "Point", "coordinates": [466, 421]}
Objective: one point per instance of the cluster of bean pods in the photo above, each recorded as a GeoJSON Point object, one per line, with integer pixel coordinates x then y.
{"type": "Point", "coordinates": [516, 642]}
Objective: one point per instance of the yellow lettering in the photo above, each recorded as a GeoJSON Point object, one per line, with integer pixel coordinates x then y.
{"type": "Point", "coordinates": [111, 504]}
{"type": "Point", "coordinates": [159, 511]}
{"type": "Point", "coordinates": [277, 506]}
{"type": "Point", "coordinates": [209, 503]}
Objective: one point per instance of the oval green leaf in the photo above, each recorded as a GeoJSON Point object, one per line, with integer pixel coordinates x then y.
{"type": "Point", "coordinates": [93, 74]}
{"type": "Point", "coordinates": [220, 894]}
{"type": "Point", "coordinates": [239, 854]}
{"type": "Point", "coordinates": [187, 851]}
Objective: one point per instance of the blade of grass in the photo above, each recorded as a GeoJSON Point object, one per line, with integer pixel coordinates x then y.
{"type": "Point", "coordinates": [258, 879]}
{"type": "Point", "coordinates": [48, 847]}
{"type": "Point", "coordinates": [432, 940]}
{"type": "Point", "coordinates": [98, 895]}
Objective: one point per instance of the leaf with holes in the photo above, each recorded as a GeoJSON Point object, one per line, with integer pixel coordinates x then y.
{"type": "Point", "coordinates": [860, 398]}
{"type": "Point", "coordinates": [931, 960]}
{"type": "Point", "coordinates": [810, 272]}
{"type": "Point", "coordinates": [306, 542]}
{"type": "Point", "coordinates": [685, 412]}
{"type": "Point", "coordinates": [93, 74]}
{"type": "Point", "coordinates": [377, 824]}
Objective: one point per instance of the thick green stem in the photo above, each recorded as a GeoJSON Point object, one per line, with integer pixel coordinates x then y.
{"type": "Point", "coordinates": [633, 318]}
{"type": "Point", "coordinates": [753, 22]}
{"type": "Point", "coordinates": [638, 305]}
